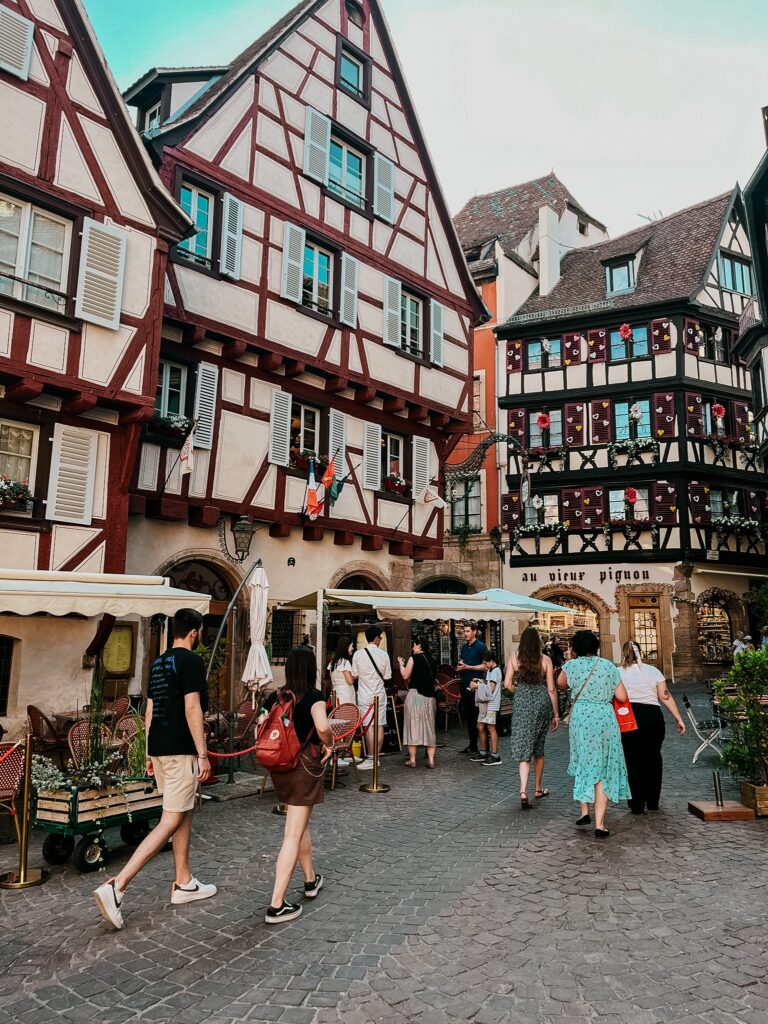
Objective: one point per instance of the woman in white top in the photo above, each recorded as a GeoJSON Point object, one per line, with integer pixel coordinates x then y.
{"type": "Point", "coordinates": [647, 691]}
{"type": "Point", "coordinates": [340, 668]}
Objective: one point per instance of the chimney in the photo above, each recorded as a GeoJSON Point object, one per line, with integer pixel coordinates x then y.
{"type": "Point", "coordinates": [549, 250]}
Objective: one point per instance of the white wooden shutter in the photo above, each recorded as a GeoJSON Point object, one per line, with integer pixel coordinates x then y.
{"type": "Point", "coordinates": [206, 391]}
{"type": "Point", "coordinates": [393, 293]}
{"type": "Point", "coordinates": [73, 472]}
{"type": "Point", "coordinates": [231, 236]}
{"type": "Point", "coordinates": [383, 188]}
{"type": "Point", "coordinates": [436, 342]}
{"type": "Point", "coordinates": [337, 448]}
{"type": "Point", "coordinates": [421, 474]}
{"type": "Point", "coordinates": [101, 274]}
{"type": "Point", "coordinates": [350, 281]}
{"type": "Point", "coordinates": [317, 145]}
{"type": "Point", "coordinates": [372, 457]}
{"type": "Point", "coordinates": [294, 240]}
{"type": "Point", "coordinates": [280, 428]}
{"type": "Point", "coordinates": [15, 43]}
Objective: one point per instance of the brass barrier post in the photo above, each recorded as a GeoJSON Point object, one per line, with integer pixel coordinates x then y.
{"type": "Point", "coordinates": [375, 786]}
{"type": "Point", "coordinates": [25, 878]}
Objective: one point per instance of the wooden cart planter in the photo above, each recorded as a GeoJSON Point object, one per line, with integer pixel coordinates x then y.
{"type": "Point", "coordinates": [755, 797]}
{"type": "Point", "coordinates": [68, 813]}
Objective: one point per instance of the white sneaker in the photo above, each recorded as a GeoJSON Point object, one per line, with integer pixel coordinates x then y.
{"type": "Point", "coordinates": [191, 891]}
{"type": "Point", "coordinates": [109, 900]}
{"type": "Point", "coordinates": [367, 765]}
{"type": "Point", "coordinates": [343, 762]}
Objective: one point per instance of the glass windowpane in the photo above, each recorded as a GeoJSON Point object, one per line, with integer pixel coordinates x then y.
{"type": "Point", "coordinates": [16, 447]}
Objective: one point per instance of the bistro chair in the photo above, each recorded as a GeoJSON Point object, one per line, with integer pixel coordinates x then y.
{"type": "Point", "coordinates": [119, 708]}
{"type": "Point", "coordinates": [344, 720]}
{"type": "Point", "coordinates": [45, 737]}
{"type": "Point", "coordinates": [79, 741]}
{"type": "Point", "coordinates": [11, 771]}
{"type": "Point", "coordinates": [452, 703]}
{"type": "Point", "coordinates": [707, 730]}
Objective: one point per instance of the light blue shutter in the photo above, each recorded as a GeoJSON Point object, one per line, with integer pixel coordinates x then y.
{"type": "Point", "coordinates": [393, 294]}
{"type": "Point", "coordinates": [280, 428]}
{"type": "Point", "coordinates": [383, 188]}
{"type": "Point", "coordinates": [15, 43]}
{"type": "Point", "coordinates": [372, 457]}
{"type": "Point", "coordinates": [317, 145]}
{"type": "Point", "coordinates": [206, 391]}
{"type": "Point", "coordinates": [294, 240]}
{"type": "Point", "coordinates": [436, 329]}
{"type": "Point", "coordinates": [231, 236]}
{"type": "Point", "coordinates": [350, 277]}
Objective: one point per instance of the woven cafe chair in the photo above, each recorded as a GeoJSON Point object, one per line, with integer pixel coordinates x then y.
{"type": "Point", "coordinates": [45, 736]}
{"type": "Point", "coordinates": [119, 707]}
{"type": "Point", "coordinates": [11, 771]}
{"type": "Point", "coordinates": [78, 741]}
{"type": "Point", "coordinates": [452, 703]}
{"type": "Point", "coordinates": [344, 720]}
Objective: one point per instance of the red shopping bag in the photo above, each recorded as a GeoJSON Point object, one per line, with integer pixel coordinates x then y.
{"type": "Point", "coordinates": [625, 716]}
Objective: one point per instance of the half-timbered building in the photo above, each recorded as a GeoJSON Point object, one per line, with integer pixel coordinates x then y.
{"type": "Point", "coordinates": [635, 495]}
{"type": "Point", "coordinates": [323, 311]}
{"type": "Point", "coordinates": [85, 228]}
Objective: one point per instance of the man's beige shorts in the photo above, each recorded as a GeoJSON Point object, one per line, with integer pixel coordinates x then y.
{"type": "Point", "coordinates": [176, 778]}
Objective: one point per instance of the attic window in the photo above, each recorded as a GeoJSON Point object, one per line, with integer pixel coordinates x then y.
{"type": "Point", "coordinates": [620, 277]}
{"type": "Point", "coordinates": [152, 118]}
{"type": "Point", "coordinates": [583, 229]}
{"type": "Point", "coordinates": [355, 13]}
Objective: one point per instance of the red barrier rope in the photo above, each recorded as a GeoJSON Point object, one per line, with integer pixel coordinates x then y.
{"type": "Point", "coordinates": [8, 753]}
{"type": "Point", "coordinates": [341, 736]}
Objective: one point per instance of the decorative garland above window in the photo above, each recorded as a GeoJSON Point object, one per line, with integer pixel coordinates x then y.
{"type": "Point", "coordinates": [633, 448]}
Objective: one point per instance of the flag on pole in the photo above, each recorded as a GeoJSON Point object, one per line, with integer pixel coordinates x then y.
{"type": "Point", "coordinates": [185, 455]}
{"type": "Point", "coordinates": [332, 489]}
{"type": "Point", "coordinates": [314, 505]}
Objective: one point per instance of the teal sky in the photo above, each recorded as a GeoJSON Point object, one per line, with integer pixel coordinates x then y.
{"type": "Point", "coordinates": [638, 107]}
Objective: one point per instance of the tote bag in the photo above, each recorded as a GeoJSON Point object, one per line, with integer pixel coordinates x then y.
{"type": "Point", "coordinates": [625, 716]}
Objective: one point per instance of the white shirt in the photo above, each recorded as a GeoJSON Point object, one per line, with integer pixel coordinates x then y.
{"type": "Point", "coordinates": [641, 682]}
{"type": "Point", "coordinates": [338, 679]}
{"type": "Point", "coordinates": [369, 683]}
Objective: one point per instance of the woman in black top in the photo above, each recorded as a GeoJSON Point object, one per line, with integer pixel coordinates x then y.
{"type": "Point", "coordinates": [302, 787]}
{"type": "Point", "coordinates": [420, 704]}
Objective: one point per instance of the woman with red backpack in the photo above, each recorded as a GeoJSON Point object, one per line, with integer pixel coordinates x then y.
{"type": "Point", "coordinates": [298, 774]}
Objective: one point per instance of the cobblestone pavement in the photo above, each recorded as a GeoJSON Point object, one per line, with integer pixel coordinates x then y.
{"type": "Point", "coordinates": [445, 903]}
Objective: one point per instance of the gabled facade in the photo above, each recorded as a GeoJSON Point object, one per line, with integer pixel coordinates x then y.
{"type": "Point", "coordinates": [645, 502]}
{"type": "Point", "coordinates": [85, 228]}
{"type": "Point", "coordinates": [323, 309]}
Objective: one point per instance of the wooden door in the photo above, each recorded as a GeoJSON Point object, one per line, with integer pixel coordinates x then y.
{"type": "Point", "coordinates": [645, 628]}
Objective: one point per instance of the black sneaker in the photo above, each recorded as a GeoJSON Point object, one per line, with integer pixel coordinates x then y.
{"type": "Point", "coordinates": [479, 755]}
{"type": "Point", "coordinates": [492, 761]}
{"type": "Point", "coordinates": [288, 912]}
{"type": "Point", "coordinates": [468, 750]}
{"type": "Point", "coordinates": [311, 889]}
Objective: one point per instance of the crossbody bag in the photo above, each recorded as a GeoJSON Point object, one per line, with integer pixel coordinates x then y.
{"type": "Point", "coordinates": [567, 716]}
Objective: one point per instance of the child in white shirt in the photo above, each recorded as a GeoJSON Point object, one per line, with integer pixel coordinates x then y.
{"type": "Point", "coordinates": [488, 700]}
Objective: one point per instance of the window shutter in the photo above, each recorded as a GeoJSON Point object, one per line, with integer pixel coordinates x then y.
{"type": "Point", "coordinates": [597, 345]}
{"type": "Point", "coordinates": [100, 278]}
{"type": "Point", "coordinates": [280, 428]}
{"type": "Point", "coordinates": [421, 474]}
{"type": "Point", "coordinates": [231, 236]}
{"type": "Point", "coordinates": [511, 510]}
{"type": "Point", "coordinates": [593, 507]}
{"type": "Point", "coordinates": [573, 424]}
{"type": "Point", "coordinates": [740, 412]}
{"type": "Point", "coordinates": [572, 348]}
{"type": "Point", "coordinates": [317, 145]}
{"type": "Point", "coordinates": [393, 292]}
{"type": "Point", "coordinates": [337, 448]}
{"type": "Point", "coordinates": [294, 240]}
{"type": "Point", "coordinates": [515, 357]}
{"type": "Point", "coordinates": [694, 420]}
{"type": "Point", "coordinates": [372, 457]}
{"type": "Point", "coordinates": [383, 188]}
{"type": "Point", "coordinates": [661, 336]}
{"type": "Point", "coordinates": [206, 389]}
{"type": "Point", "coordinates": [664, 415]}
{"type": "Point", "coordinates": [700, 509]}
{"type": "Point", "coordinates": [73, 471]}
{"type": "Point", "coordinates": [664, 507]}
{"type": "Point", "coordinates": [602, 422]}
{"type": "Point", "coordinates": [436, 339]}
{"type": "Point", "coordinates": [571, 502]}
{"type": "Point", "coordinates": [516, 425]}
{"type": "Point", "coordinates": [691, 336]}
{"type": "Point", "coordinates": [753, 504]}
{"type": "Point", "coordinates": [15, 43]}
{"type": "Point", "coordinates": [350, 282]}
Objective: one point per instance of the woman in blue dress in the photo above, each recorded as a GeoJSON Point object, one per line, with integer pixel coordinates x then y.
{"type": "Point", "coordinates": [597, 756]}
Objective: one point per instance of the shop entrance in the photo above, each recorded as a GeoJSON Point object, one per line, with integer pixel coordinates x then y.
{"type": "Point", "coordinates": [645, 628]}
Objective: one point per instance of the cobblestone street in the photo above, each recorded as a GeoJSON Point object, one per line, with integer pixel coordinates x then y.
{"type": "Point", "coordinates": [444, 903]}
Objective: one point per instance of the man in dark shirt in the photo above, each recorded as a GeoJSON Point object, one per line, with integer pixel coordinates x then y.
{"type": "Point", "coordinates": [177, 757]}
{"type": "Point", "coordinates": [471, 666]}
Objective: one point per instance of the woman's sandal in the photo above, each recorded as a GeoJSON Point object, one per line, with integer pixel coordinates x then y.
{"type": "Point", "coordinates": [430, 764]}
{"type": "Point", "coordinates": [525, 803]}
{"type": "Point", "coordinates": [410, 764]}
{"type": "Point", "coordinates": [541, 793]}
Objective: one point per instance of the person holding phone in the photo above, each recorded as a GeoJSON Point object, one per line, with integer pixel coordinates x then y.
{"type": "Point", "coordinates": [420, 702]}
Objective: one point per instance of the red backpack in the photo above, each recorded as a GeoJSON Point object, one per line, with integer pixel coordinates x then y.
{"type": "Point", "coordinates": [277, 745]}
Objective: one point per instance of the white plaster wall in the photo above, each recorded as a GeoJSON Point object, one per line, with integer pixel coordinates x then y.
{"type": "Point", "coordinates": [21, 127]}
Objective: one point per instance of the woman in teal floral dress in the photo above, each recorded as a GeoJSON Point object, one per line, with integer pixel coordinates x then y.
{"type": "Point", "coordinates": [597, 756]}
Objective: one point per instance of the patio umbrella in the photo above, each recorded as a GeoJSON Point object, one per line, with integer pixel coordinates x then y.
{"type": "Point", "coordinates": [257, 672]}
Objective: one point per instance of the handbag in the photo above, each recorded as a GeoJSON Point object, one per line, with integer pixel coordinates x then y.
{"type": "Point", "coordinates": [625, 716]}
{"type": "Point", "coordinates": [567, 716]}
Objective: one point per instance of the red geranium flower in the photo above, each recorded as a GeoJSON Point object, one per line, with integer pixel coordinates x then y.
{"type": "Point", "coordinates": [718, 411]}
{"type": "Point", "coordinates": [625, 332]}
{"type": "Point", "coordinates": [543, 421]}
{"type": "Point", "coordinates": [630, 495]}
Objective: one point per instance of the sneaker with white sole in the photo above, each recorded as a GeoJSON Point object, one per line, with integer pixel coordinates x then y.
{"type": "Point", "coordinates": [109, 900]}
{"type": "Point", "coordinates": [279, 915]}
{"type": "Point", "coordinates": [367, 765]}
{"type": "Point", "coordinates": [311, 889]}
{"type": "Point", "coordinates": [191, 891]}
{"type": "Point", "coordinates": [343, 762]}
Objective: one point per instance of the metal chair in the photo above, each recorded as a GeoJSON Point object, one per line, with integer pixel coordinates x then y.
{"type": "Point", "coordinates": [452, 704]}
{"type": "Point", "coordinates": [79, 741]}
{"type": "Point", "coordinates": [45, 737]}
{"type": "Point", "coordinates": [344, 720]}
{"type": "Point", "coordinates": [11, 771]}
{"type": "Point", "coordinates": [711, 726]}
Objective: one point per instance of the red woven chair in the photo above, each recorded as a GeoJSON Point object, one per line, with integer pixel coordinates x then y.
{"type": "Point", "coordinates": [452, 693]}
{"type": "Point", "coordinates": [344, 720]}
{"type": "Point", "coordinates": [45, 738]}
{"type": "Point", "coordinates": [119, 708]}
{"type": "Point", "coordinates": [78, 741]}
{"type": "Point", "coordinates": [11, 771]}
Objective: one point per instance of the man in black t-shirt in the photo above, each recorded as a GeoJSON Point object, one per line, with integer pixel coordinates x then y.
{"type": "Point", "coordinates": [471, 666]}
{"type": "Point", "coordinates": [176, 755]}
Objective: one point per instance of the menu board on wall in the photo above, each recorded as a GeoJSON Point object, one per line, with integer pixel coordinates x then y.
{"type": "Point", "coordinates": [119, 654]}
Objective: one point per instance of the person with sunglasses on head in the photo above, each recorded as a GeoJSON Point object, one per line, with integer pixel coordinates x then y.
{"type": "Point", "coordinates": [177, 698]}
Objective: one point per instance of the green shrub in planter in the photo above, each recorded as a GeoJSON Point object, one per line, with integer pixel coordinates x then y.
{"type": "Point", "coordinates": [746, 752]}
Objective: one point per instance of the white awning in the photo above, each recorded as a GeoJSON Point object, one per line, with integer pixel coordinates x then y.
{"type": "Point", "coordinates": [28, 592]}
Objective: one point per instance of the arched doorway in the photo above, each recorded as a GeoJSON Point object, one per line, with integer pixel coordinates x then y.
{"type": "Point", "coordinates": [583, 615]}
{"type": "Point", "coordinates": [715, 625]}
{"type": "Point", "coordinates": [444, 585]}
{"type": "Point", "coordinates": [446, 636]}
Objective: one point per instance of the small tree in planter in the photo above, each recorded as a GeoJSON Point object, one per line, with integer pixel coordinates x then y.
{"type": "Point", "coordinates": [746, 752]}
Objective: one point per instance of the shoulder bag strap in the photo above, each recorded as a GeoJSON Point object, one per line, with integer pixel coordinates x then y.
{"type": "Point", "coordinates": [375, 666]}
{"type": "Point", "coordinates": [583, 685]}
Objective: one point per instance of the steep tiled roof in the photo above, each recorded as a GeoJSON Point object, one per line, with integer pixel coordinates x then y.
{"type": "Point", "coordinates": [676, 252]}
{"type": "Point", "coordinates": [511, 213]}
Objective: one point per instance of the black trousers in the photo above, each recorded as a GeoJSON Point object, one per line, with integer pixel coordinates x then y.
{"type": "Point", "coordinates": [469, 711]}
{"type": "Point", "coordinates": [642, 752]}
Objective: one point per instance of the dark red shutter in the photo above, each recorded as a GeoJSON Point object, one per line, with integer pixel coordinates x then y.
{"type": "Point", "coordinates": [740, 414]}
{"type": "Point", "coordinates": [663, 510]}
{"type": "Point", "coordinates": [601, 422]}
{"type": "Point", "coordinates": [661, 336]}
{"type": "Point", "coordinates": [511, 510]}
{"type": "Point", "coordinates": [571, 508]}
{"type": "Point", "coordinates": [573, 424]}
{"type": "Point", "coordinates": [514, 357]}
{"type": "Point", "coordinates": [593, 507]}
{"type": "Point", "coordinates": [701, 511]}
{"type": "Point", "coordinates": [572, 348]}
{"type": "Point", "coordinates": [753, 504]}
{"type": "Point", "coordinates": [664, 415]}
{"type": "Point", "coordinates": [597, 345]}
{"type": "Point", "coordinates": [517, 424]}
{"type": "Point", "coordinates": [694, 419]}
{"type": "Point", "coordinates": [690, 336]}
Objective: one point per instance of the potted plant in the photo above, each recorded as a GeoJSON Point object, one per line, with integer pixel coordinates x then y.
{"type": "Point", "coordinates": [395, 484]}
{"type": "Point", "coordinates": [171, 428]}
{"type": "Point", "coordinates": [302, 457]}
{"type": "Point", "coordinates": [745, 753]}
{"type": "Point", "coordinates": [14, 494]}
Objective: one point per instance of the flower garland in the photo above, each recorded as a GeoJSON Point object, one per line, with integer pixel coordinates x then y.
{"type": "Point", "coordinates": [180, 424]}
{"type": "Point", "coordinates": [537, 529]}
{"type": "Point", "coordinates": [633, 447]}
{"type": "Point", "coordinates": [736, 525]}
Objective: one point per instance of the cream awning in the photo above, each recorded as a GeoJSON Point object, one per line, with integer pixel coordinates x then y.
{"type": "Point", "coordinates": [28, 592]}
{"type": "Point", "coordinates": [419, 605]}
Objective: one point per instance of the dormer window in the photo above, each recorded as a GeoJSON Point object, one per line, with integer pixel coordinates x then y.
{"type": "Point", "coordinates": [620, 277]}
{"type": "Point", "coordinates": [735, 275]}
{"type": "Point", "coordinates": [152, 118]}
{"type": "Point", "coordinates": [354, 13]}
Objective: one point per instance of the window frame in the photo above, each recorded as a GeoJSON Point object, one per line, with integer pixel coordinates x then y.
{"type": "Point", "coordinates": [304, 407]}
{"type": "Point", "coordinates": [611, 267]}
{"type": "Point", "coordinates": [361, 58]}
{"type": "Point", "coordinates": [537, 516]}
{"type": "Point", "coordinates": [184, 247]}
{"type": "Point", "coordinates": [629, 347]}
{"type": "Point", "coordinates": [34, 462]}
{"type": "Point", "coordinates": [345, 193]}
{"type": "Point", "coordinates": [20, 282]}
{"type": "Point", "coordinates": [534, 430]}
{"type": "Point", "coordinates": [155, 108]}
{"type": "Point", "coordinates": [722, 257]}
{"type": "Point", "coordinates": [622, 515]}
{"type": "Point", "coordinates": [164, 364]}
{"type": "Point", "coordinates": [408, 295]}
{"type": "Point", "coordinates": [632, 428]}
{"type": "Point", "coordinates": [208, 185]}
{"type": "Point", "coordinates": [710, 346]}
{"type": "Point", "coordinates": [545, 356]}
{"type": "Point", "coordinates": [460, 523]}
{"type": "Point", "coordinates": [709, 426]}
{"type": "Point", "coordinates": [346, 138]}
{"type": "Point", "coordinates": [333, 256]}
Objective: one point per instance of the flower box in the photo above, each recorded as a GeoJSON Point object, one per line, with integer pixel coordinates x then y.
{"type": "Point", "coordinates": [395, 486]}
{"type": "Point", "coordinates": [72, 806]}
{"type": "Point", "coordinates": [14, 504]}
{"type": "Point", "coordinates": [755, 797]}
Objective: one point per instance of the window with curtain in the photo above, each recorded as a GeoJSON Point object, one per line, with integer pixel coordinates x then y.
{"type": "Point", "coordinates": [34, 253]}
{"type": "Point", "coordinates": [466, 513]}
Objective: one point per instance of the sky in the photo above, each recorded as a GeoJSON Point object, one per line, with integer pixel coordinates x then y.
{"type": "Point", "coordinates": [641, 108]}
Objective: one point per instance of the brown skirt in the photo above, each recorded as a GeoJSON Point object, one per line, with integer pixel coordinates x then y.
{"type": "Point", "coordinates": [302, 786]}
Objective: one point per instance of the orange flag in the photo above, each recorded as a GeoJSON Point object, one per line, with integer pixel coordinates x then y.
{"type": "Point", "coordinates": [314, 506]}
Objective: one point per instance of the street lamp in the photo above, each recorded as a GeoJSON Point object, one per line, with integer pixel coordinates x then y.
{"type": "Point", "coordinates": [242, 533]}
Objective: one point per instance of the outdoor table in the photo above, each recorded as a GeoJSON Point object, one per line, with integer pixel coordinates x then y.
{"type": "Point", "coordinates": [63, 720]}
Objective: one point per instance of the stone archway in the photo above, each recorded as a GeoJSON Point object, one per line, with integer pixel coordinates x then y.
{"type": "Point", "coordinates": [720, 614]}
{"type": "Point", "coordinates": [359, 568]}
{"type": "Point", "coordinates": [444, 585]}
{"type": "Point", "coordinates": [575, 596]}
